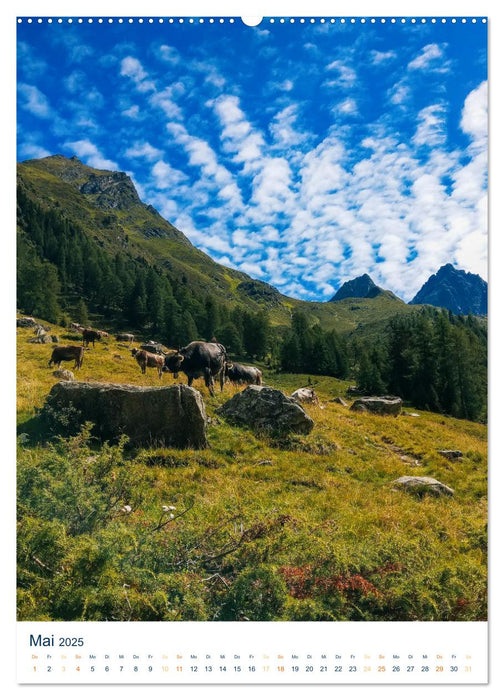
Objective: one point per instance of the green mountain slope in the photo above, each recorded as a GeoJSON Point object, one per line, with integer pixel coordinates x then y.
{"type": "Point", "coordinates": [106, 206]}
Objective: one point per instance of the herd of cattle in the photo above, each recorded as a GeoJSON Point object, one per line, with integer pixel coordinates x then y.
{"type": "Point", "coordinates": [198, 359]}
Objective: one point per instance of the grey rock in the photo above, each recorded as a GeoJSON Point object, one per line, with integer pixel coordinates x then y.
{"type": "Point", "coordinates": [64, 374]}
{"type": "Point", "coordinates": [420, 485]}
{"type": "Point", "coordinates": [305, 395]}
{"type": "Point", "coordinates": [152, 346]}
{"type": "Point", "coordinates": [263, 408]}
{"type": "Point", "coordinates": [381, 405]}
{"type": "Point", "coordinates": [111, 190]}
{"type": "Point", "coordinates": [452, 455]}
{"type": "Point", "coordinates": [42, 339]}
{"type": "Point", "coordinates": [26, 322]}
{"type": "Point", "coordinates": [172, 416]}
{"type": "Point", "coordinates": [339, 400]}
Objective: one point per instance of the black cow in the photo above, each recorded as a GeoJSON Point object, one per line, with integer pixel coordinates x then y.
{"type": "Point", "coordinates": [89, 336]}
{"type": "Point", "coordinates": [242, 374]}
{"type": "Point", "coordinates": [125, 337]}
{"type": "Point", "coordinates": [66, 353]}
{"type": "Point", "coordinates": [199, 359]}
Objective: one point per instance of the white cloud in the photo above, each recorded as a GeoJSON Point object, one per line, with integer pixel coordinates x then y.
{"type": "Point", "coordinates": [143, 150]}
{"type": "Point", "coordinates": [132, 112]}
{"type": "Point", "coordinates": [238, 135]}
{"type": "Point", "coordinates": [431, 129]}
{"type": "Point", "coordinates": [31, 150]}
{"type": "Point", "coordinates": [201, 155]}
{"type": "Point", "coordinates": [400, 93]}
{"type": "Point", "coordinates": [347, 107]}
{"type": "Point", "coordinates": [34, 101]}
{"type": "Point", "coordinates": [167, 177]}
{"type": "Point", "coordinates": [272, 188]}
{"type": "Point", "coordinates": [169, 54]}
{"type": "Point", "coordinates": [132, 68]}
{"type": "Point", "coordinates": [474, 120]}
{"type": "Point", "coordinates": [164, 101]}
{"type": "Point", "coordinates": [91, 154]}
{"type": "Point", "coordinates": [282, 128]}
{"type": "Point", "coordinates": [380, 57]}
{"type": "Point", "coordinates": [430, 58]}
{"type": "Point", "coordinates": [347, 77]}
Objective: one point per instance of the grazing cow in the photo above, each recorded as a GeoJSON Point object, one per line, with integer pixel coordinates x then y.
{"type": "Point", "coordinates": [147, 359]}
{"type": "Point", "coordinates": [199, 359]}
{"type": "Point", "coordinates": [89, 336]}
{"type": "Point", "coordinates": [125, 337]}
{"type": "Point", "coordinates": [66, 353]}
{"type": "Point", "coordinates": [242, 374]}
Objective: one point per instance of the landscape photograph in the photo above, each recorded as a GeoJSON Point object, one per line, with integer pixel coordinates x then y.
{"type": "Point", "coordinates": [251, 319]}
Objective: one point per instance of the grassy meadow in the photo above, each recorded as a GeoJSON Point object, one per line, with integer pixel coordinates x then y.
{"type": "Point", "coordinates": [254, 527]}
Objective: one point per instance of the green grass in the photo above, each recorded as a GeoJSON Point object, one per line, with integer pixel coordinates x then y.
{"type": "Point", "coordinates": [266, 528]}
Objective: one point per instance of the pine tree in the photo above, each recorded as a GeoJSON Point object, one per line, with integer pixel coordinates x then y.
{"type": "Point", "coordinates": [81, 312]}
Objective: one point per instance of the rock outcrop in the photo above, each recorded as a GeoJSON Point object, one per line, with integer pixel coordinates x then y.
{"type": "Point", "coordinates": [305, 395]}
{"type": "Point", "coordinates": [452, 455]}
{"type": "Point", "coordinates": [263, 408]}
{"type": "Point", "coordinates": [381, 405]}
{"type": "Point", "coordinates": [172, 416]}
{"type": "Point", "coordinates": [43, 339]}
{"type": "Point", "coordinates": [421, 485]}
{"type": "Point", "coordinates": [26, 322]}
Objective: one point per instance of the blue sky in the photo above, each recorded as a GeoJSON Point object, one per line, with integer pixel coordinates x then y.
{"type": "Point", "coordinates": [304, 154]}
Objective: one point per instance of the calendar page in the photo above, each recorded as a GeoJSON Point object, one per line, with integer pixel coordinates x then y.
{"type": "Point", "coordinates": [251, 330]}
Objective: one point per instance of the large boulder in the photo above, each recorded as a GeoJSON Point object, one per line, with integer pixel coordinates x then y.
{"type": "Point", "coordinates": [420, 485]}
{"type": "Point", "coordinates": [263, 408]}
{"type": "Point", "coordinates": [381, 405]}
{"type": "Point", "coordinates": [42, 339]}
{"type": "Point", "coordinates": [173, 415]}
{"type": "Point", "coordinates": [26, 322]}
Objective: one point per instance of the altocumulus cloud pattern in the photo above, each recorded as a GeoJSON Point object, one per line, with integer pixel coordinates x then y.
{"type": "Point", "coordinates": [303, 153]}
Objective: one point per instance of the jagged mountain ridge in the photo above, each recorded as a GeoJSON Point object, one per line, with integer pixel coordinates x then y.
{"type": "Point", "coordinates": [456, 290]}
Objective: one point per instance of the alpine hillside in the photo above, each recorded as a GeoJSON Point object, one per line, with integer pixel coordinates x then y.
{"type": "Point", "coordinates": [106, 208]}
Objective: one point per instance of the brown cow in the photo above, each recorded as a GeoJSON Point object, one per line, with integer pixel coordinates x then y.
{"type": "Point", "coordinates": [66, 353]}
{"type": "Point", "coordinates": [147, 359]}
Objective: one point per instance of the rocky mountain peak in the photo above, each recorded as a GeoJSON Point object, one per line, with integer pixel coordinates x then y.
{"type": "Point", "coordinates": [111, 190]}
{"type": "Point", "coordinates": [361, 287]}
{"type": "Point", "coordinates": [456, 290]}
